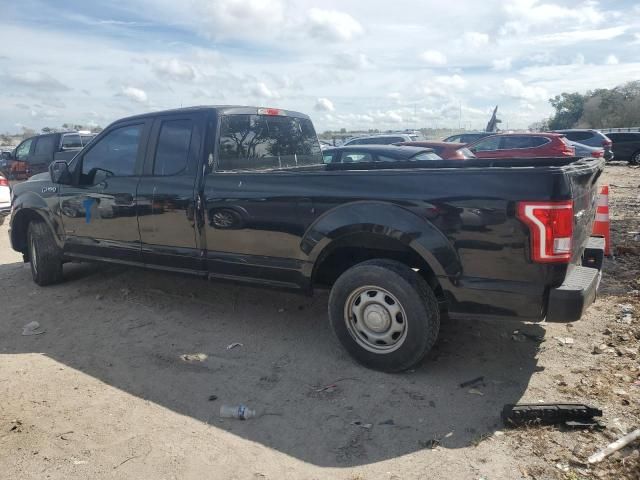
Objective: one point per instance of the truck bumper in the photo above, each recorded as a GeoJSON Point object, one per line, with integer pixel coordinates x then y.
{"type": "Point", "coordinates": [568, 302]}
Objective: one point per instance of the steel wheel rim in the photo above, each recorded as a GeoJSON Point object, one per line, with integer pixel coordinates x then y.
{"type": "Point", "coordinates": [34, 257]}
{"type": "Point", "coordinates": [375, 319]}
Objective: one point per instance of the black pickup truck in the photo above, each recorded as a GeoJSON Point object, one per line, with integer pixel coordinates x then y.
{"type": "Point", "coordinates": [242, 194]}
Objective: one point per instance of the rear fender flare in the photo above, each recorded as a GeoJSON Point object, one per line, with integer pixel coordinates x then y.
{"type": "Point", "coordinates": [385, 219]}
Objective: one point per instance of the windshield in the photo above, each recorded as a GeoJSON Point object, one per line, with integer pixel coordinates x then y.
{"type": "Point", "coordinates": [264, 142]}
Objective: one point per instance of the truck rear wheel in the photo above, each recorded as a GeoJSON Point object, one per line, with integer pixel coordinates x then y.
{"type": "Point", "coordinates": [44, 254]}
{"type": "Point", "coordinates": [384, 314]}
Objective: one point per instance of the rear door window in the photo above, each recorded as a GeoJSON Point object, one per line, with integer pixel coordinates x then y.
{"type": "Point", "coordinates": [577, 136]}
{"type": "Point", "coordinates": [264, 142]}
{"type": "Point", "coordinates": [356, 157]}
{"type": "Point", "coordinates": [172, 152]}
{"type": "Point", "coordinates": [487, 144]}
{"type": "Point", "coordinates": [44, 145]}
{"type": "Point", "coordinates": [520, 142]}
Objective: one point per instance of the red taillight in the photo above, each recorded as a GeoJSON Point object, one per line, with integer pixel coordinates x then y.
{"type": "Point", "coordinates": [551, 227]}
{"type": "Point", "coordinates": [607, 143]}
{"type": "Point", "coordinates": [3, 182]}
{"type": "Point", "coordinates": [597, 154]}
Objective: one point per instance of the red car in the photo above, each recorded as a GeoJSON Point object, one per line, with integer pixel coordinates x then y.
{"type": "Point", "coordinates": [445, 150]}
{"type": "Point", "coordinates": [509, 145]}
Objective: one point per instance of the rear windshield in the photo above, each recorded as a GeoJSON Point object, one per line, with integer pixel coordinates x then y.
{"type": "Point", "coordinates": [71, 141]}
{"type": "Point", "coordinates": [261, 142]}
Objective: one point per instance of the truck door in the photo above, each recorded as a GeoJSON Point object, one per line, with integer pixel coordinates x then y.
{"type": "Point", "coordinates": [19, 165]}
{"type": "Point", "coordinates": [42, 156]}
{"type": "Point", "coordinates": [99, 212]}
{"type": "Point", "coordinates": [167, 192]}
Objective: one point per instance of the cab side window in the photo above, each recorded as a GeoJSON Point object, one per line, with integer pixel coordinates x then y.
{"type": "Point", "coordinates": [172, 152]}
{"type": "Point", "coordinates": [115, 153]}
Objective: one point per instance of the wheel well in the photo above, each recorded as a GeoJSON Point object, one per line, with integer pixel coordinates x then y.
{"type": "Point", "coordinates": [19, 229]}
{"type": "Point", "coordinates": [358, 248]}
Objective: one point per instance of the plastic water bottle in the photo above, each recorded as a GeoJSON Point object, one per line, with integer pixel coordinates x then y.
{"type": "Point", "coordinates": [241, 412]}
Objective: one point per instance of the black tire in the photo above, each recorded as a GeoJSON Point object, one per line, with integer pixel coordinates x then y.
{"type": "Point", "coordinates": [635, 158]}
{"type": "Point", "coordinates": [44, 254]}
{"type": "Point", "coordinates": [415, 298]}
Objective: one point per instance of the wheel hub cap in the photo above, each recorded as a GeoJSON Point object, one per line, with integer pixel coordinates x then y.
{"type": "Point", "coordinates": [376, 318]}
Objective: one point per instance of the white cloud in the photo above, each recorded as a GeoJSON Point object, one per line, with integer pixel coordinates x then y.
{"type": "Point", "coordinates": [564, 38]}
{"type": "Point", "coordinates": [514, 88]}
{"type": "Point", "coordinates": [136, 94]}
{"type": "Point", "coordinates": [433, 57]}
{"type": "Point", "coordinates": [229, 18]}
{"type": "Point", "coordinates": [39, 80]}
{"type": "Point", "coordinates": [352, 61]}
{"type": "Point", "coordinates": [174, 69]}
{"type": "Point", "coordinates": [455, 82]}
{"type": "Point", "coordinates": [333, 25]}
{"type": "Point", "coordinates": [324, 105]}
{"type": "Point", "coordinates": [611, 60]}
{"type": "Point", "coordinates": [501, 64]}
{"type": "Point", "coordinates": [476, 39]}
{"type": "Point", "coordinates": [261, 90]}
{"type": "Point", "coordinates": [524, 15]}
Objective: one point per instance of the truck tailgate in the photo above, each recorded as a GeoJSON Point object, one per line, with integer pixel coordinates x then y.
{"type": "Point", "coordinates": [583, 177]}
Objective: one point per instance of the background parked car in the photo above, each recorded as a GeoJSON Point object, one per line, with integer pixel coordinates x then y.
{"type": "Point", "coordinates": [445, 150]}
{"type": "Point", "coordinates": [593, 138]}
{"type": "Point", "coordinates": [522, 145]}
{"type": "Point", "coordinates": [626, 146]}
{"type": "Point", "coordinates": [377, 153]}
{"type": "Point", "coordinates": [468, 137]}
{"type": "Point", "coordinates": [5, 198]}
{"type": "Point", "coordinates": [386, 139]}
{"type": "Point", "coordinates": [34, 154]}
{"type": "Point", "coordinates": [586, 150]}
{"type": "Point", "coordinates": [5, 160]}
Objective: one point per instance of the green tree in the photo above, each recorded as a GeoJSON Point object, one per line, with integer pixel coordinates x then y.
{"type": "Point", "coordinates": [569, 108]}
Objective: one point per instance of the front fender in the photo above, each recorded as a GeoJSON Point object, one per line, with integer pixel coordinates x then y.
{"type": "Point", "coordinates": [26, 207]}
{"type": "Point", "coordinates": [388, 220]}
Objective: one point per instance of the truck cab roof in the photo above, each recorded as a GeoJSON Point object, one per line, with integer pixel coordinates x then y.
{"type": "Point", "coordinates": [220, 110]}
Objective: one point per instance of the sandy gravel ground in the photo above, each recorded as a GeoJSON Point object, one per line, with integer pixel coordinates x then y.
{"type": "Point", "coordinates": [104, 393]}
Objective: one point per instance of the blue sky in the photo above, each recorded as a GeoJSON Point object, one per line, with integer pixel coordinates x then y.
{"type": "Point", "coordinates": [352, 64]}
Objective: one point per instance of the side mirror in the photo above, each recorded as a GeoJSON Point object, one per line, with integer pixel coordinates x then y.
{"type": "Point", "coordinates": [59, 171]}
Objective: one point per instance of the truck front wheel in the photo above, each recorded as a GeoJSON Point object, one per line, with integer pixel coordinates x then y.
{"type": "Point", "coordinates": [384, 314]}
{"type": "Point", "coordinates": [44, 254]}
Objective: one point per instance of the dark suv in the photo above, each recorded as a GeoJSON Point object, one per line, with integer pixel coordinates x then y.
{"type": "Point", "coordinates": [593, 138]}
{"type": "Point", "coordinates": [626, 146]}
